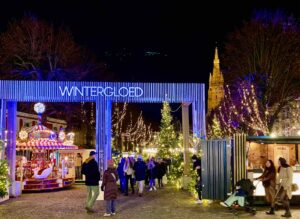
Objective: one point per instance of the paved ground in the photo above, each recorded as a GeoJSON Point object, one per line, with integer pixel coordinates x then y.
{"type": "Point", "coordinates": [164, 203]}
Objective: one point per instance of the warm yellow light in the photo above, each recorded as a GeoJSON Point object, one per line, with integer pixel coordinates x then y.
{"type": "Point", "coordinates": [298, 132]}
{"type": "Point", "coordinates": [273, 135]}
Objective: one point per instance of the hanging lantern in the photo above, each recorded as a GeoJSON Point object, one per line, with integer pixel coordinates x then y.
{"type": "Point", "coordinates": [39, 108]}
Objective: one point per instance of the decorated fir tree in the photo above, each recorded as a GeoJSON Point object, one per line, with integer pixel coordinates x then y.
{"type": "Point", "coordinates": [216, 128]}
{"type": "Point", "coordinates": [3, 173]}
{"type": "Point", "coordinates": [167, 137]}
{"type": "Point", "coordinates": [3, 178]}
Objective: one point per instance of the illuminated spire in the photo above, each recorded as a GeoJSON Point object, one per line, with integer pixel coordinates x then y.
{"type": "Point", "coordinates": [216, 60]}
{"type": "Point", "coordinates": [216, 84]}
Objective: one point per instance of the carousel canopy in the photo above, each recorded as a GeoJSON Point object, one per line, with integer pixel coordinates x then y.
{"type": "Point", "coordinates": [43, 144]}
{"type": "Point", "coordinates": [40, 137]}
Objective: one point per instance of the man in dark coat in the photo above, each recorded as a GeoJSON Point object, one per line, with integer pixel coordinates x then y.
{"type": "Point", "coordinates": [161, 171]}
{"type": "Point", "coordinates": [92, 176]}
{"type": "Point", "coordinates": [140, 169]}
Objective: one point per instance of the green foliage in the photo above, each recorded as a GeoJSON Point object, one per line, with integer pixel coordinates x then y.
{"type": "Point", "coordinates": [3, 178]}
{"type": "Point", "coordinates": [192, 183]}
{"type": "Point", "coordinates": [167, 138]}
{"type": "Point", "coordinates": [176, 168]}
{"type": "Point", "coordinates": [216, 128]}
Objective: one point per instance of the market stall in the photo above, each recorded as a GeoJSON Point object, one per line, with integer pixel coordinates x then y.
{"type": "Point", "coordinates": [263, 148]}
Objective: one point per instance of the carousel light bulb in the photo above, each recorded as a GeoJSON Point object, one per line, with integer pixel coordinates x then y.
{"type": "Point", "coordinates": [39, 108]}
{"type": "Point", "coordinates": [70, 137]}
{"type": "Point", "coordinates": [23, 135]}
{"type": "Point", "coordinates": [61, 136]}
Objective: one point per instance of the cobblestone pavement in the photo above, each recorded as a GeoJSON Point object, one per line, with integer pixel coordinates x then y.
{"type": "Point", "coordinates": [164, 203]}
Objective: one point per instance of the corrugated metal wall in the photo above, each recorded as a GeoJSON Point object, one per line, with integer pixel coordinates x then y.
{"type": "Point", "coordinates": [239, 157]}
{"type": "Point", "coordinates": [216, 169]}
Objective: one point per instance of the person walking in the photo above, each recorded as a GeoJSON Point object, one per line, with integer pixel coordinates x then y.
{"type": "Point", "coordinates": [140, 169]}
{"type": "Point", "coordinates": [268, 179]}
{"type": "Point", "coordinates": [110, 188]}
{"type": "Point", "coordinates": [152, 174]}
{"type": "Point", "coordinates": [92, 176]}
{"type": "Point", "coordinates": [78, 164]}
{"type": "Point", "coordinates": [122, 175]}
{"type": "Point", "coordinates": [128, 172]}
{"type": "Point", "coordinates": [284, 185]}
{"type": "Point", "coordinates": [198, 185]}
{"type": "Point", "coordinates": [161, 171]}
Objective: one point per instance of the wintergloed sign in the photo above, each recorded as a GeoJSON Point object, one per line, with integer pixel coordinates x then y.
{"type": "Point", "coordinates": [95, 91]}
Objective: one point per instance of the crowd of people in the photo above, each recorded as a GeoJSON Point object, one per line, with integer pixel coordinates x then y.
{"type": "Point", "coordinates": [132, 172]}
{"type": "Point", "coordinates": [129, 171]}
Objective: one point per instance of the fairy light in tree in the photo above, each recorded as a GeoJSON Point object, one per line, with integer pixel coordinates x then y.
{"type": "Point", "coordinates": [241, 110]}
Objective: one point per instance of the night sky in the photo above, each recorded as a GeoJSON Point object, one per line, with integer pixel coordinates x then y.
{"type": "Point", "coordinates": [161, 41]}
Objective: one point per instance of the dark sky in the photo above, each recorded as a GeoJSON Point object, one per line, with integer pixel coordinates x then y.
{"type": "Point", "coordinates": [182, 34]}
{"type": "Point", "coordinates": [121, 32]}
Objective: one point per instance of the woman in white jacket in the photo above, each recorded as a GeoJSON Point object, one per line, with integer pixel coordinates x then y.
{"type": "Point", "coordinates": [284, 185]}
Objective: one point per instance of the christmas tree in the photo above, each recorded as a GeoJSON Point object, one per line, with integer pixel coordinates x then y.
{"type": "Point", "coordinates": [216, 128]}
{"type": "Point", "coordinates": [167, 137]}
{"type": "Point", "coordinates": [3, 178]}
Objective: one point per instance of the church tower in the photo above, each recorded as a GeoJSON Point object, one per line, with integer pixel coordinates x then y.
{"type": "Point", "coordinates": [216, 85]}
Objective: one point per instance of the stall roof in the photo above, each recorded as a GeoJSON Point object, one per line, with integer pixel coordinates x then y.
{"type": "Point", "coordinates": [273, 140]}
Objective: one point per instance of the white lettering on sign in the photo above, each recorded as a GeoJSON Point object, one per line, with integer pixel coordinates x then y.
{"type": "Point", "coordinates": [101, 91]}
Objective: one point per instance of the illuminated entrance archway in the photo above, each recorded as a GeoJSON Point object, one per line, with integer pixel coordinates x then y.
{"type": "Point", "coordinates": [103, 94]}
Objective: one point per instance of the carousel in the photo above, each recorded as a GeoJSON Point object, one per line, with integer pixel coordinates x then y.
{"type": "Point", "coordinates": [41, 163]}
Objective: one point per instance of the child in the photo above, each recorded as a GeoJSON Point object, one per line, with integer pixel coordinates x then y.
{"type": "Point", "coordinates": [110, 188]}
{"type": "Point", "coordinates": [238, 196]}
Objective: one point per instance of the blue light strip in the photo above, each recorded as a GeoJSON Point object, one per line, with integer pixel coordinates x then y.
{"type": "Point", "coordinates": [50, 91]}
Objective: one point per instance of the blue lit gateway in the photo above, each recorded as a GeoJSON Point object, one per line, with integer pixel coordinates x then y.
{"type": "Point", "coordinates": [103, 94]}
